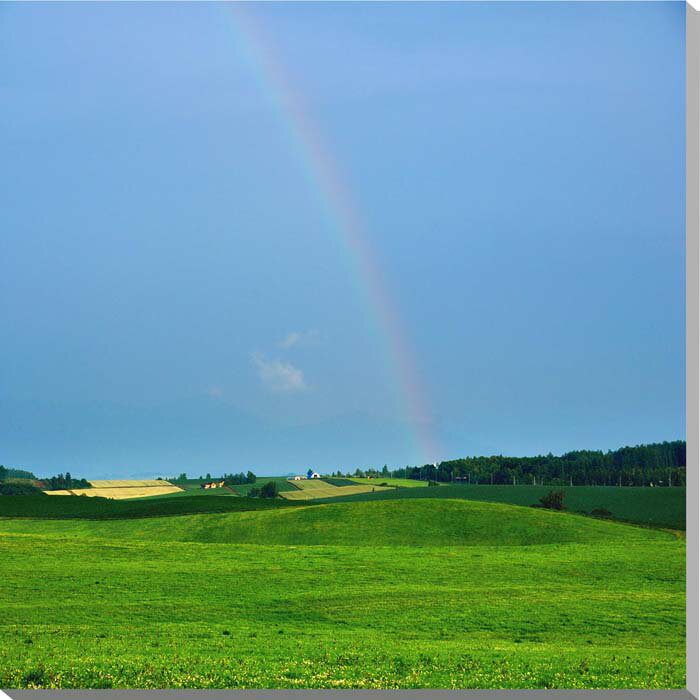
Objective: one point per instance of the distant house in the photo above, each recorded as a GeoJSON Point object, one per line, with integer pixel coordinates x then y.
{"type": "Point", "coordinates": [299, 478]}
{"type": "Point", "coordinates": [315, 475]}
{"type": "Point", "coordinates": [212, 485]}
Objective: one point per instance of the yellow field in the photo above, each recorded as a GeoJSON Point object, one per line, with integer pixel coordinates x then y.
{"type": "Point", "coordinates": [122, 488]}
{"type": "Point", "coordinates": [323, 490]}
{"type": "Point", "coordinates": [312, 484]}
{"type": "Point", "coordinates": [126, 483]}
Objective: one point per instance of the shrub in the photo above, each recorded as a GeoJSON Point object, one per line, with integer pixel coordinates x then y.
{"type": "Point", "coordinates": [554, 500]}
{"type": "Point", "coordinates": [601, 513]}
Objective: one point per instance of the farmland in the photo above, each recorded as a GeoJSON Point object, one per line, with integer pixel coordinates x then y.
{"type": "Point", "coordinates": [120, 488]}
{"type": "Point", "coordinates": [309, 489]}
{"type": "Point", "coordinates": [393, 592]}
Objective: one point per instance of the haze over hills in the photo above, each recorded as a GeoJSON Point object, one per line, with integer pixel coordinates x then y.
{"type": "Point", "coordinates": [113, 440]}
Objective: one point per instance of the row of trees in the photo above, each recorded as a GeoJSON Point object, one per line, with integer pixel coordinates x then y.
{"type": "Point", "coordinates": [230, 479]}
{"type": "Point", "coordinates": [657, 464]}
{"type": "Point", "coordinates": [65, 481]}
{"type": "Point", "coordinates": [240, 478]}
{"type": "Point", "coordinates": [51, 483]}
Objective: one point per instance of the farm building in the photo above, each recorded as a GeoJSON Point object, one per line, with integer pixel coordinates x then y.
{"type": "Point", "coordinates": [212, 485]}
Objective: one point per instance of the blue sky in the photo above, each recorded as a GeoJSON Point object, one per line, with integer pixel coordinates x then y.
{"type": "Point", "coordinates": [174, 297]}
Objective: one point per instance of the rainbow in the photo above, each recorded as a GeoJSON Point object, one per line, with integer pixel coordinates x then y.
{"type": "Point", "coordinates": [324, 178]}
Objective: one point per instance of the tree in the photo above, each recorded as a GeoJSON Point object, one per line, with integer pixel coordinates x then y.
{"type": "Point", "coordinates": [3, 473]}
{"type": "Point", "coordinates": [309, 473]}
{"type": "Point", "coordinates": [250, 477]}
{"type": "Point", "coordinates": [269, 490]}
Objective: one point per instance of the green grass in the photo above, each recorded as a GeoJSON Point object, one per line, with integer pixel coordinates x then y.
{"type": "Point", "coordinates": [443, 523]}
{"type": "Point", "coordinates": [661, 507]}
{"type": "Point", "coordinates": [576, 603]}
{"type": "Point", "coordinates": [96, 508]}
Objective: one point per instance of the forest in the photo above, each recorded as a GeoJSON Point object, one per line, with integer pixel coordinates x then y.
{"type": "Point", "coordinates": [656, 464]}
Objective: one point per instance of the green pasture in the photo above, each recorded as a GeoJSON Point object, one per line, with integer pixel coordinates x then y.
{"type": "Point", "coordinates": [388, 593]}
{"type": "Point", "coordinates": [418, 523]}
{"type": "Point", "coordinates": [116, 608]}
{"type": "Point", "coordinates": [662, 507]}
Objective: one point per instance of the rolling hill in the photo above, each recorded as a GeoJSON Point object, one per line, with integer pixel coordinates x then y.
{"type": "Point", "coordinates": [410, 522]}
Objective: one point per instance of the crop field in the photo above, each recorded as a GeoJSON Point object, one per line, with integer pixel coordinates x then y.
{"type": "Point", "coordinates": [306, 484]}
{"type": "Point", "coordinates": [127, 492]}
{"type": "Point", "coordinates": [310, 489]}
{"type": "Point", "coordinates": [128, 483]}
{"type": "Point", "coordinates": [121, 488]}
{"type": "Point", "coordinates": [395, 593]}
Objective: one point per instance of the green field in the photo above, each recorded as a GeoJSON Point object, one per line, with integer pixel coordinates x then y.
{"type": "Point", "coordinates": [406, 483]}
{"type": "Point", "coordinates": [395, 593]}
{"type": "Point", "coordinates": [183, 503]}
{"type": "Point", "coordinates": [663, 507]}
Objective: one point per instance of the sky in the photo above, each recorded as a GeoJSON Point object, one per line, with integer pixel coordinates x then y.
{"type": "Point", "coordinates": [276, 236]}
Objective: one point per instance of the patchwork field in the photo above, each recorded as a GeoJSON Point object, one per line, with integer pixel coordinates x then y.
{"type": "Point", "coordinates": [398, 593]}
{"type": "Point", "coordinates": [308, 489]}
{"type": "Point", "coordinates": [128, 483]}
{"type": "Point", "coordinates": [122, 488]}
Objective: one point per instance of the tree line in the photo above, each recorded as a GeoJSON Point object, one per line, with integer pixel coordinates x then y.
{"type": "Point", "coordinates": [656, 464]}
{"type": "Point", "coordinates": [65, 481]}
{"type": "Point", "coordinates": [7, 473]}
{"type": "Point", "coordinates": [51, 483]}
{"type": "Point", "coordinates": [230, 479]}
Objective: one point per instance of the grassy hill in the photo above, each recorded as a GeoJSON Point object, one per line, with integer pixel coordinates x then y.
{"type": "Point", "coordinates": [662, 507]}
{"type": "Point", "coordinates": [419, 522]}
{"type": "Point", "coordinates": [339, 596]}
